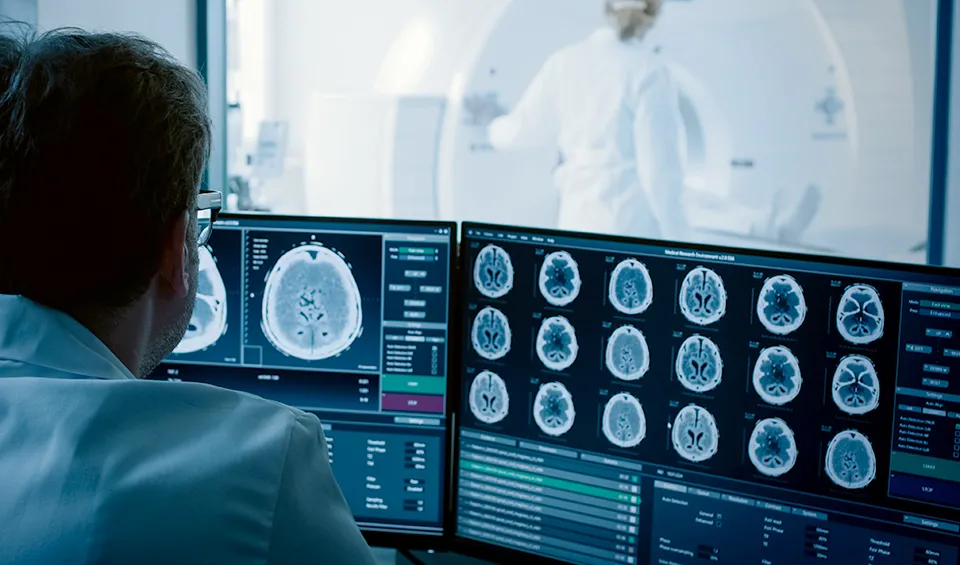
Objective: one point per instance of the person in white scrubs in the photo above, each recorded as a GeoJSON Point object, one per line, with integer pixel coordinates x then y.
{"type": "Point", "coordinates": [612, 107]}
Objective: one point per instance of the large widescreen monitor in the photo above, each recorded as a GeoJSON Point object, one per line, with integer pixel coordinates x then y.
{"type": "Point", "coordinates": [347, 319]}
{"type": "Point", "coordinates": [640, 402]}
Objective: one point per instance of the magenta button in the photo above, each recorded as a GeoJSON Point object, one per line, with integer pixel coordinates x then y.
{"type": "Point", "coordinates": [413, 403]}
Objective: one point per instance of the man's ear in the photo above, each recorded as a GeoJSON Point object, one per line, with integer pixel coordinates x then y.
{"type": "Point", "coordinates": [176, 256]}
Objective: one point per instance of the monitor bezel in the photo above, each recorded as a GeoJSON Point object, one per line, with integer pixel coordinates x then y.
{"type": "Point", "coordinates": [496, 553]}
{"type": "Point", "coordinates": [392, 539]}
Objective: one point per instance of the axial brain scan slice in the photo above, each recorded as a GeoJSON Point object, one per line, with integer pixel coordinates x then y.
{"type": "Point", "coordinates": [491, 334]}
{"type": "Point", "coordinates": [560, 279]}
{"type": "Point", "coordinates": [493, 272]}
{"type": "Point", "coordinates": [311, 304]}
{"type": "Point", "coordinates": [209, 320]}
{"type": "Point", "coordinates": [776, 375]}
{"type": "Point", "coordinates": [489, 400]}
{"type": "Point", "coordinates": [860, 315]}
{"type": "Point", "coordinates": [851, 462]}
{"type": "Point", "coordinates": [695, 434]}
{"type": "Point", "coordinates": [553, 409]}
{"type": "Point", "coordinates": [856, 388]}
{"type": "Point", "coordinates": [703, 298]}
{"type": "Point", "coordinates": [781, 306]}
{"type": "Point", "coordinates": [699, 365]}
{"type": "Point", "coordinates": [624, 422]}
{"type": "Point", "coordinates": [557, 344]}
{"type": "Point", "coordinates": [628, 356]}
{"type": "Point", "coordinates": [631, 288]}
{"type": "Point", "coordinates": [772, 447]}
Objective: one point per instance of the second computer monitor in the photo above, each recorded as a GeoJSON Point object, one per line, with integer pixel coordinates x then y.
{"type": "Point", "coordinates": [644, 403]}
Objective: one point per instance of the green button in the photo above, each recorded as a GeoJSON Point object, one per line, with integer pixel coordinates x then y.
{"type": "Point", "coordinates": [407, 384]}
{"type": "Point", "coordinates": [551, 482]}
{"type": "Point", "coordinates": [925, 466]}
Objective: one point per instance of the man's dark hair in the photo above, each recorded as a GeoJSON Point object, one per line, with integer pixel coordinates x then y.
{"type": "Point", "coordinates": [103, 141]}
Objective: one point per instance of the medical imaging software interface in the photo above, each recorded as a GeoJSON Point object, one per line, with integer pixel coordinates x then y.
{"type": "Point", "coordinates": [628, 403]}
{"type": "Point", "coordinates": [345, 319]}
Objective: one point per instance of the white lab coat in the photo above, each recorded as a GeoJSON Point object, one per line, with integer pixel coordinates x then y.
{"type": "Point", "coordinates": [613, 109]}
{"type": "Point", "coordinates": [97, 467]}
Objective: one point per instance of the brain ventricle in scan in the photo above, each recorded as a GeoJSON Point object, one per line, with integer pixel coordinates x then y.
{"type": "Point", "coordinates": [703, 297]}
{"type": "Point", "coordinates": [776, 375]}
{"type": "Point", "coordinates": [860, 315]}
{"type": "Point", "coordinates": [208, 322]}
{"type": "Point", "coordinates": [491, 335]}
{"type": "Point", "coordinates": [772, 447]}
{"type": "Point", "coordinates": [699, 365]}
{"type": "Point", "coordinates": [850, 461]}
{"type": "Point", "coordinates": [631, 288]}
{"type": "Point", "coordinates": [695, 435]}
{"type": "Point", "coordinates": [493, 272]}
{"type": "Point", "coordinates": [856, 387]}
{"type": "Point", "coordinates": [559, 280]}
{"type": "Point", "coordinates": [489, 400]}
{"type": "Point", "coordinates": [557, 345]}
{"type": "Point", "coordinates": [781, 306]}
{"type": "Point", "coordinates": [311, 304]}
{"type": "Point", "coordinates": [553, 409]}
{"type": "Point", "coordinates": [624, 422]}
{"type": "Point", "coordinates": [628, 356]}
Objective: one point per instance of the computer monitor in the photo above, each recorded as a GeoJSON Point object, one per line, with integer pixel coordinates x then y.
{"type": "Point", "coordinates": [640, 402]}
{"type": "Point", "coordinates": [347, 319]}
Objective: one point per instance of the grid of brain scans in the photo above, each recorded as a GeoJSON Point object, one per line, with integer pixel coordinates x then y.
{"type": "Point", "coordinates": [348, 319]}
{"type": "Point", "coordinates": [685, 385]}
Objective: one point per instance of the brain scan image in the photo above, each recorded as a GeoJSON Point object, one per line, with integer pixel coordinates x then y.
{"type": "Point", "coordinates": [776, 376]}
{"type": "Point", "coordinates": [553, 409]}
{"type": "Point", "coordinates": [703, 298]}
{"type": "Point", "coordinates": [624, 422]}
{"type": "Point", "coordinates": [631, 288]}
{"type": "Point", "coordinates": [560, 279]}
{"type": "Point", "coordinates": [851, 462]}
{"type": "Point", "coordinates": [699, 366]}
{"type": "Point", "coordinates": [491, 334]}
{"type": "Point", "coordinates": [860, 315]}
{"type": "Point", "coordinates": [628, 357]}
{"type": "Point", "coordinates": [311, 304]}
{"type": "Point", "coordinates": [695, 434]}
{"type": "Point", "coordinates": [772, 448]}
{"type": "Point", "coordinates": [557, 344]}
{"type": "Point", "coordinates": [493, 272]}
{"type": "Point", "coordinates": [781, 306]}
{"type": "Point", "coordinates": [489, 400]}
{"type": "Point", "coordinates": [209, 320]}
{"type": "Point", "coordinates": [856, 388]}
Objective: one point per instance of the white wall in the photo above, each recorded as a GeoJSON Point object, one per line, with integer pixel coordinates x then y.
{"type": "Point", "coordinates": [172, 23]}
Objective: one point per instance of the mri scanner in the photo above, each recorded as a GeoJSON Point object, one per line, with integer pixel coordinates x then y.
{"type": "Point", "coordinates": [778, 96]}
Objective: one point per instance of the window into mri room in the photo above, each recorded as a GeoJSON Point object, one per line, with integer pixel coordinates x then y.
{"type": "Point", "coordinates": [357, 109]}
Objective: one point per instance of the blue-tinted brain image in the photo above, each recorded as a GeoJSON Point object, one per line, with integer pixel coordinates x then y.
{"type": "Point", "coordinates": [695, 435]}
{"type": "Point", "coordinates": [493, 272]}
{"type": "Point", "coordinates": [781, 306]}
{"type": "Point", "coordinates": [703, 298]}
{"type": "Point", "coordinates": [628, 357]}
{"type": "Point", "coordinates": [631, 288]}
{"type": "Point", "coordinates": [856, 388]}
{"type": "Point", "coordinates": [208, 323]}
{"type": "Point", "coordinates": [311, 304]}
{"type": "Point", "coordinates": [489, 400]}
{"type": "Point", "coordinates": [860, 315]}
{"type": "Point", "coordinates": [776, 376]}
{"type": "Point", "coordinates": [557, 344]}
{"type": "Point", "coordinates": [851, 462]}
{"type": "Point", "coordinates": [553, 409]}
{"type": "Point", "coordinates": [491, 334]}
{"type": "Point", "coordinates": [699, 365]}
{"type": "Point", "coordinates": [773, 447]}
{"type": "Point", "coordinates": [624, 422]}
{"type": "Point", "coordinates": [560, 279]}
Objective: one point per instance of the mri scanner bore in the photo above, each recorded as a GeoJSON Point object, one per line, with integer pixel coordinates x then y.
{"type": "Point", "coordinates": [856, 388]}
{"type": "Point", "coordinates": [624, 423]}
{"type": "Point", "coordinates": [553, 409]}
{"type": "Point", "coordinates": [695, 435]}
{"type": "Point", "coordinates": [557, 345]}
{"type": "Point", "coordinates": [559, 279]}
{"type": "Point", "coordinates": [493, 272]}
{"type": "Point", "coordinates": [703, 297]}
{"type": "Point", "coordinates": [772, 447]}
{"type": "Point", "coordinates": [781, 306]}
{"type": "Point", "coordinates": [491, 335]}
{"type": "Point", "coordinates": [860, 315]}
{"type": "Point", "coordinates": [776, 375]}
{"type": "Point", "coordinates": [208, 323]}
{"type": "Point", "coordinates": [699, 365]}
{"type": "Point", "coordinates": [631, 288]}
{"type": "Point", "coordinates": [489, 400]}
{"type": "Point", "coordinates": [311, 304]}
{"type": "Point", "coordinates": [628, 356]}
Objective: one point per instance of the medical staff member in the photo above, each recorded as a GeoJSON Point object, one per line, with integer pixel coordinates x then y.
{"type": "Point", "coordinates": [612, 107]}
{"type": "Point", "coordinates": [103, 141]}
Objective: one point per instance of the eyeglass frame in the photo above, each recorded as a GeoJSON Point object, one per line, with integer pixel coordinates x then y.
{"type": "Point", "coordinates": [212, 201]}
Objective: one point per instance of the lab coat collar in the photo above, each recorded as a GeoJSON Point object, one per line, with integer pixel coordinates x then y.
{"type": "Point", "coordinates": [33, 334]}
